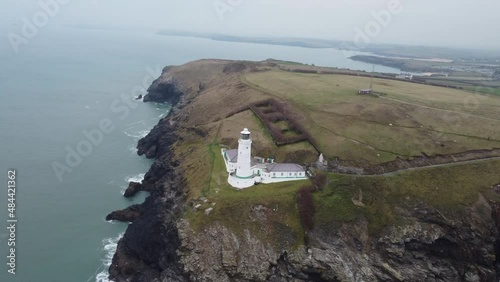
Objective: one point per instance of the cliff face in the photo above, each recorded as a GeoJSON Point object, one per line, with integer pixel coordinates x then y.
{"type": "Point", "coordinates": [147, 251]}
{"type": "Point", "coordinates": [163, 92]}
{"type": "Point", "coordinates": [160, 245]}
{"type": "Point", "coordinates": [428, 246]}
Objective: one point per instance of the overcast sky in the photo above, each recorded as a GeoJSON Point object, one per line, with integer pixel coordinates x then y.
{"type": "Point", "coordinates": [463, 23]}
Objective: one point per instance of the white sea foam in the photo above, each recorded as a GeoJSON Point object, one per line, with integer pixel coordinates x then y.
{"type": "Point", "coordinates": [137, 122]}
{"type": "Point", "coordinates": [128, 134]}
{"type": "Point", "coordinates": [137, 135]}
{"type": "Point", "coordinates": [144, 133]}
{"type": "Point", "coordinates": [132, 178]}
{"type": "Point", "coordinates": [110, 245]}
{"type": "Point", "coordinates": [135, 178]}
{"type": "Point", "coordinates": [132, 149]}
{"type": "Point", "coordinates": [112, 221]}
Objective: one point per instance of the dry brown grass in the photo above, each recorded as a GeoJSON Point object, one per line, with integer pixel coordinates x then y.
{"type": "Point", "coordinates": [222, 92]}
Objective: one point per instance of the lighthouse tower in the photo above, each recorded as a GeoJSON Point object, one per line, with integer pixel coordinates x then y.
{"type": "Point", "coordinates": [244, 163]}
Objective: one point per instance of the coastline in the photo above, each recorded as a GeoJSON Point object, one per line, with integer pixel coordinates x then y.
{"type": "Point", "coordinates": [148, 246]}
{"type": "Point", "coordinates": [148, 249]}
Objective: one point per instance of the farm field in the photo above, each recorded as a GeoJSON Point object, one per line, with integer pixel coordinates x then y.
{"type": "Point", "coordinates": [406, 120]}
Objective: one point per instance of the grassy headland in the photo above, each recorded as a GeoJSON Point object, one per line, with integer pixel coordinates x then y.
{"type": "Point", "coordinates": [404, 121]}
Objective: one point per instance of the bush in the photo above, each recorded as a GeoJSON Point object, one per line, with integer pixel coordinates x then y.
{"type": "Point", "coordinates": [305, 203]}
{"type": "Point", "coordinates": [263, 104]}
{"type": "Point", "coordinates": [268, 111]}
{"type": "Point", "coordinates": [319, 181]}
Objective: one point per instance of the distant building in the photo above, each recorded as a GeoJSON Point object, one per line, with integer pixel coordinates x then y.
{"type": "Point", "coordinates": [365, 91]}
{"type": "Point", "coordinates": [406, 76]}
{"type": "Point", "coordinates": [245, 171]}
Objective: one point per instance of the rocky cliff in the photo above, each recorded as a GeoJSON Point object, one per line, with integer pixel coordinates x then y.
{"type": "Point", "coordinates": [147, 251]}
{"type": "Point", "coordinates": [425, 244]}
{"type": "Point", "coordinates": [428, 246]}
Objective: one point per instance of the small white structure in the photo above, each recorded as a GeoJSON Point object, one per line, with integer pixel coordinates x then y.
{"type": "Point", "coordinates": [321, 161]}
{"type": "Point", "coordinates": [407, 76]}
{"type": "Point", "coordinates": [245, 171]}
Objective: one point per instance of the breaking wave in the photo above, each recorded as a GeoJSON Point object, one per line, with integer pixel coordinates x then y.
{"type": "Point", "coordinates": [137, 135]}
{"type": "Point", "coordinates": [110, 245]}
{"type": "Point", "coordinates": [135, 178]}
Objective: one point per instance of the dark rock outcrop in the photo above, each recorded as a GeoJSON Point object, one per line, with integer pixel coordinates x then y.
{"type": "Point", "coordinates": [147, 251]}
{"type": "Point", "coordinates": [132, 189]}
{"type": "Point", "coordinates": [157, 142]}
{"type": "Point", "coordinates": [126, 215]}
{"type": "Point", "coordinates": [163, 92]}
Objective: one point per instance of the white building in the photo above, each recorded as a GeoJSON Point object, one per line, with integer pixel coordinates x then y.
{"type": "Point", "coordinates": [245, 171]}
{"type": "Point", "coordinates": [407, 76]}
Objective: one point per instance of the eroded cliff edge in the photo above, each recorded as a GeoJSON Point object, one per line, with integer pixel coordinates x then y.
{"type": "Point", "coordinates": [147, 250]}
{"type": "Point", "coordinates": [425, 243]}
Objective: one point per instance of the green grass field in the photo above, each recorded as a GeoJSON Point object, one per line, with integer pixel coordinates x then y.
{"type": "Point", "coordinates": [268, 211]}
{"type": "Point", "coordinates": [239, 209]}
{"type": "Point", "coordinates": [485, 90]}
{"type": "Point", "coordinates": [449, 189]}
{"type": "Point", "coordinates": [408, 120]}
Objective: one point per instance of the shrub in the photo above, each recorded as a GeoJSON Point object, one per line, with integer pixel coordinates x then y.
{"type": "Point", "coordinates": [319, 181]}
{"type": "Point", "coordinates": [275, 117]}
{"type": "Point", "coordinates": [268, 110]}
{"type": "Point", "coordinates": [305, 203]}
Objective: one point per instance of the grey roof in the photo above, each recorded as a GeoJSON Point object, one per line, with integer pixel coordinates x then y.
{"type": "Point", "coordinates": [232, 155]}
{"type": "Point", "coordinates": [276, 167]}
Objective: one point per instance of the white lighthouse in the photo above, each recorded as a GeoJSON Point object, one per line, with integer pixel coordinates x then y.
{"type": "Point", "coordinates": [245, 171]}
{"type": "Point", "coordinates": [244, 163]}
